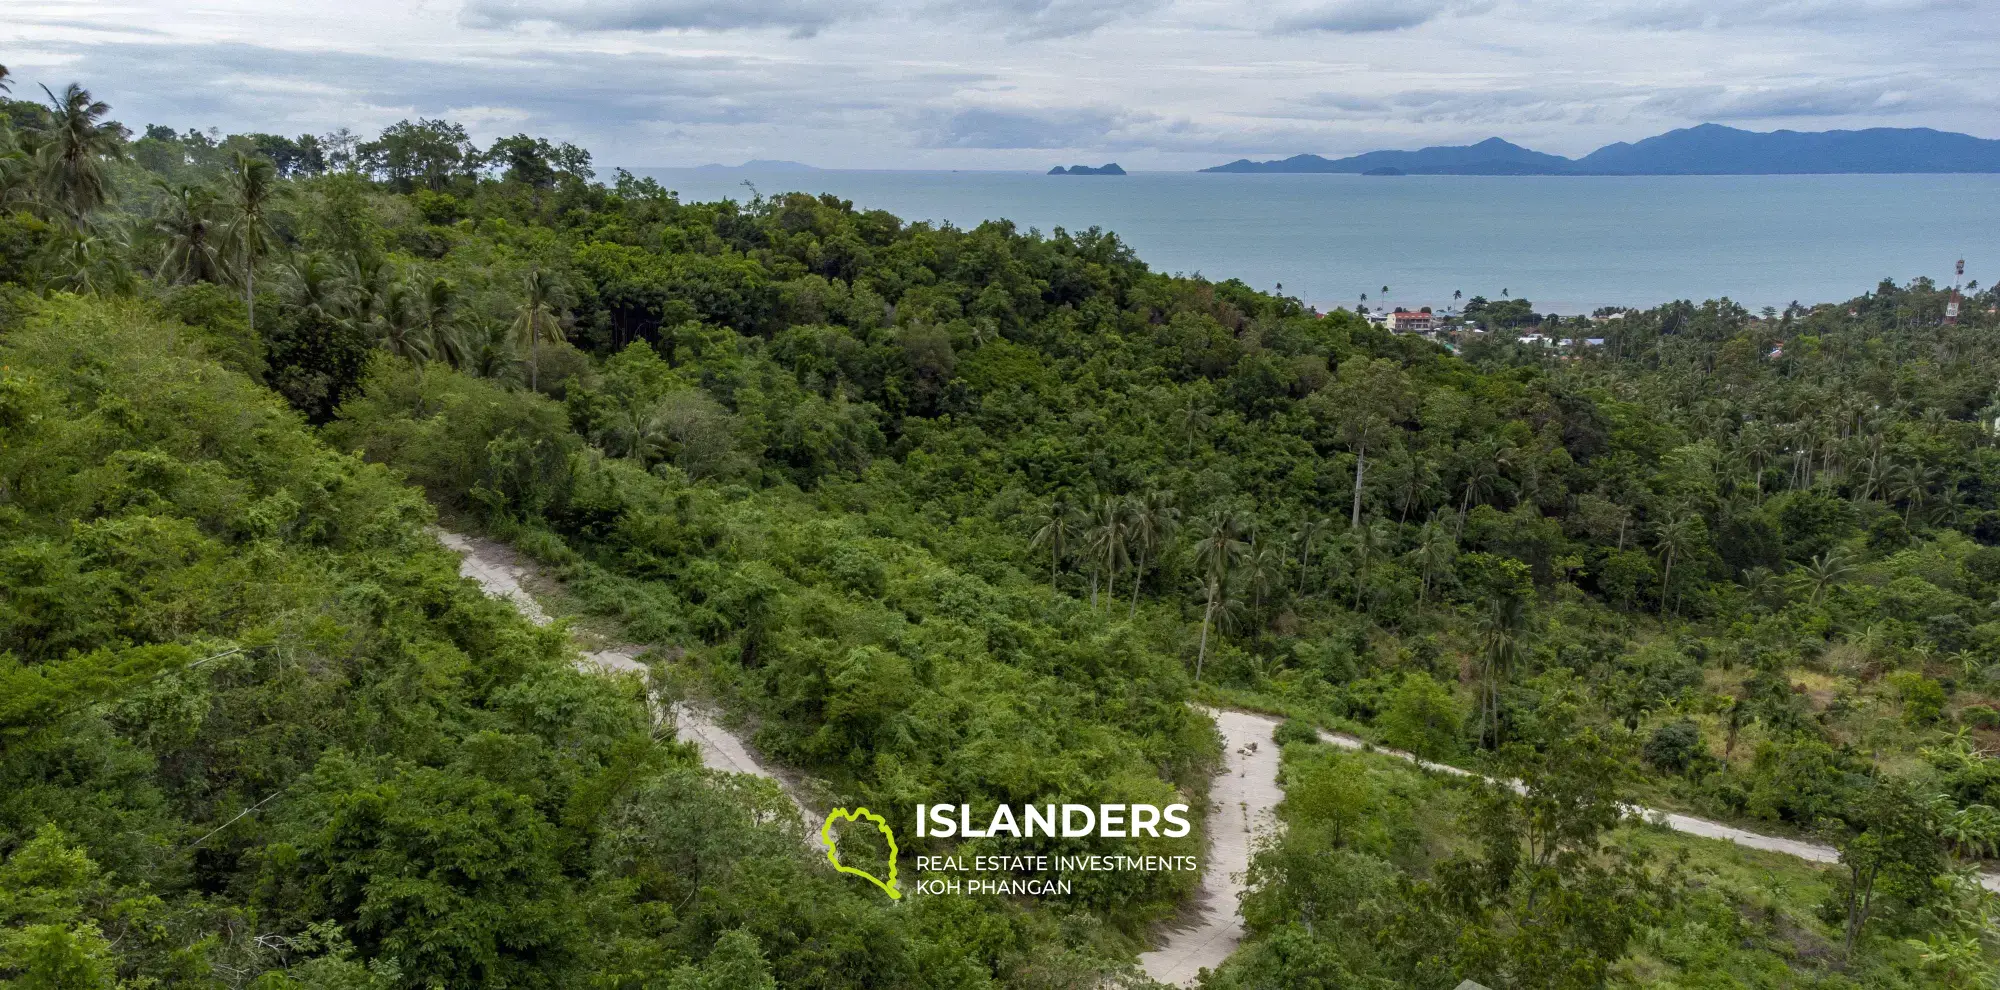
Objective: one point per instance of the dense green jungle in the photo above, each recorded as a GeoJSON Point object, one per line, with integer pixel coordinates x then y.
{"type": "Point", "coordinates": [939, 515]}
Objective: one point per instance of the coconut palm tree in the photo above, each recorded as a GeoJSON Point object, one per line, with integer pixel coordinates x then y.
{"type": "Point", "coordinates": [1263, 572]}
{"type": "Point", "coordinates": [1502, 634]}
{"type": "Point", "coordinates": [187, 223]}
{"type": "Point", "coordinates": [543, 298]}
{"type": "Point", "coordinates": [1057, 523]}
{"type": "Point", "coordinates": [1107, 544]}
{"type": "Point", "coordinates": [1677, 535]}
{"type": "Point", "coordinates": [316, 288]}
{"type": "Point", "coordinates": [1151, 522]}
{"type": "Point", "coordinates": [1216, 553]}
{"type": "Point", "coordinates": [1367, 543]}
{"type": "Point", "coordinates": [1194, 420]}
{"type": "Point", "coordinates": [76, 142]}
{"type": "Point", "coordinates": [250, 191]}
{"type": "Point", "coordinates": [1310, 530]}
{"type": "Point", "coordinates": [91, 262]}
{"type": "Point", "coordinates": [441, 333]}
{"type": "Point", "coordinates": [1824, 572]}
{"type": "Point", "coordinates": [1435, 552]}
{"type": "Point", "coordinates": [399, 324]}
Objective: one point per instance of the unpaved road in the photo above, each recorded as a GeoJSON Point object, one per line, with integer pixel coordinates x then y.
{"type": "Point", "coordinates": [1241, 803]}
{"type": "Point", "coordinates": [1812, 852]}
{"type": "Point", "coordinates": [500, 571]}
{"type": "Point", "coordinates": [1242, 798]}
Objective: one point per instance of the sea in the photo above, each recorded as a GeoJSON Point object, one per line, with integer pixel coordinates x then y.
{"type": "Point", "coordinates": [1568, 244]}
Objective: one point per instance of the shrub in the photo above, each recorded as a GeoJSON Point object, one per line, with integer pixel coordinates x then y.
{"type": "Point", "coordinates": [1675, 747]}
{"type": "Point", "coordinates": [1979, 717]}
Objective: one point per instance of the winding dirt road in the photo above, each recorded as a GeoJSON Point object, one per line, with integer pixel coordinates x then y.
{"type": "Point", "coordinates": [1243, 796]}
{"type": "Point", "coordinates": [501, 571]}
{"type": "Point", "coordinates": [1241, 803]}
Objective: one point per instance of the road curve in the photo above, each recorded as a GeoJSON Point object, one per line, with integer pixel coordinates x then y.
{"type": "Point", "coordinates": [1813, 852]}
{"type": "Point", "coordinates": [1242, 800]}
{"type": "Point", "coordinates": [500, 571]}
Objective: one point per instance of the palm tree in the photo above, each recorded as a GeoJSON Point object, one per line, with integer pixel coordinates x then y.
{"type": "Point", "coordinates": [187, 223]}
{"type": "Point", "coordinates": [489, 351]}
{"type": "Point", "coordinates": [543, 297]}
{"type": "Point", "coordinates": [1368, 542]}
{"type": "Point", "coordinates": [76, 142]}
{"type": "Point", "coordinates": [1502, 631]}
{"type": "Point", "coordinates": [1911, 485]}
{"type": "Point", "coordinates": [441, 336]}
{"type": "Point", "coordinates": [316, 288]}
{"type": "Point", "coordinates": [1309, 531]}
{"type": "Point", "coordinates": [1106, 540]}
{"type": "Point", "coordinates": [1217, 553]}
{"type": "Point", "coordinates": [1263, 571]}
{"type": "Point", "coordinates": [92, 261]}
{"type": "Point", "coordinates": [1677, 535]}
{"type": "Point", "coordinates": [1435, 552]}
{"type": "Point", "coordinates": [1194, 420]}
{"type": "Point", "coordinates": [252, 189]}
{"type": "Point", "coordinates": [1151, 521]}
{"type": "Point", "coordinates": [1825, 571]}
{"type": "Point", "coordinates": [1058, 521]}
{"type": "Point", "coordinates": [399, 324]}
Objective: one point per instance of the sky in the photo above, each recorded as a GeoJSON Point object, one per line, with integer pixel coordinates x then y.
{"type": "Point", "coordinates": [1014, 84]}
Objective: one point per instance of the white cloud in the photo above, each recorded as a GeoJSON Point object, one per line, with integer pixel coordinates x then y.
{"type": "Point", "coordinates": [1022, 83]}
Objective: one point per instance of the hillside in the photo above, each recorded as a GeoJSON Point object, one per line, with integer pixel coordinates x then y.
{"type": "Point", "coordinates": [938, 515]}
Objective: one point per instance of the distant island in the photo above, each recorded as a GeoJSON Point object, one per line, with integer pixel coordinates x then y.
{"type": "Point", "coordinates": [1710, 149]}
{"type": "Point", "coordinates": [762, 165]}
{"type": "Point", "coordinates": [1110, 168]}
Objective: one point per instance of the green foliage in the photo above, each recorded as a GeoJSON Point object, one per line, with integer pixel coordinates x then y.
{"type": "Point", "coordinates": [909, 500]}
{"type": "Point", "coordinates": [1423, 717]}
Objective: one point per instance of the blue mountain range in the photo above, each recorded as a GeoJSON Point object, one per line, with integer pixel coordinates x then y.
{"type": "Point", "coordinates": [1710, 149]}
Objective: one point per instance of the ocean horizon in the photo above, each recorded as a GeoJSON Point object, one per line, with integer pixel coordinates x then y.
{"type": "Point", "coordinates": [1569, 244]}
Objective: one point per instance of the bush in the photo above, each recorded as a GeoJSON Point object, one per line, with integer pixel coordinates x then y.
{"type": "Point", "coordinates": [1922, 698]}
{"type": "Point", "coordinates": [1979, 717]}
{"type": "Point", "coordinates": [1675, 747]}
{"type": "Point", "coordinates": [1294, 730]}
{"type": "Point", "coordinates": [1423, 717]}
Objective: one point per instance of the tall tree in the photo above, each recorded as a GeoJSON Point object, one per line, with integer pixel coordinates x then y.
{"type": "Point", "coordinates": [1106, 539]}
{"type": "Point", "coordinates": [1217, 553]}
{"type": "Point", "coordinates": [1678, 535]}
{"type": "Point", "coordinates": [186, 222]}
{"type": "Point", "coordinates": [1310, 530]}
{"type": "Point", "coordinates": [1058, 522]}
{"type": "Point", "coordinates": [543, 299]}
{"type": "Point", "coordinates": [1502, 633]}
{"type": "Point", "coordinates": [1153, 520]}
{"type": "Point", "coordinates": [76, 142]}
{"type": "Point", "coordinates": [1368, 399]}
{"type": "Point", "coordinates": [252, 188]}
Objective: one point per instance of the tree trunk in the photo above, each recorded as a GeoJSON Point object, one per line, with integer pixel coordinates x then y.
{"type": "Point", "coordinates": [1202, 653]}
{"type": "Point", "coordinates": [1360, 459]}
{"type": "Point", "coordinates": [1138, 575]}
{"type": "Point", "coordinates": [250, 295]}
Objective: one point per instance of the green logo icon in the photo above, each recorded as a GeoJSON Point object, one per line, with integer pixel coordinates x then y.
{"type": "Point", "coordinates": [833, 853]}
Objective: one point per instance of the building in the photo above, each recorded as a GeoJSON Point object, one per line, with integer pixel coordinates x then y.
{"type": "Point", "coordinates": [1404, 321]}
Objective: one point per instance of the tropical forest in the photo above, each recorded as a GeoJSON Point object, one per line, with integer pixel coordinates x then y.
{"type": "Point", "coordinates": [1672, 662]}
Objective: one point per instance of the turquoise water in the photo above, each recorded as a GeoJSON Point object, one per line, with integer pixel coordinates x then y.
{"type": "Point", "coordinates": [1569, 244]}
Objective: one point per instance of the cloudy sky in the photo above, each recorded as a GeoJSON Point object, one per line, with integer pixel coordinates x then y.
{"type": "Point", "coordinates": [1022, 83]}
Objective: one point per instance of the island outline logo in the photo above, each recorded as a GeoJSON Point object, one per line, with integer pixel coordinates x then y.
{"type": "Point", "coordinates": [833, 850]}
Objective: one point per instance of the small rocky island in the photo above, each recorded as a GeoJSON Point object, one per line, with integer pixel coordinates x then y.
{"type": "Point", "coordinates": [1110, 168]}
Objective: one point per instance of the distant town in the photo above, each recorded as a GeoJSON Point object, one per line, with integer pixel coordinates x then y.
{"type": "Point", "coordinates": [1452, 327]}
